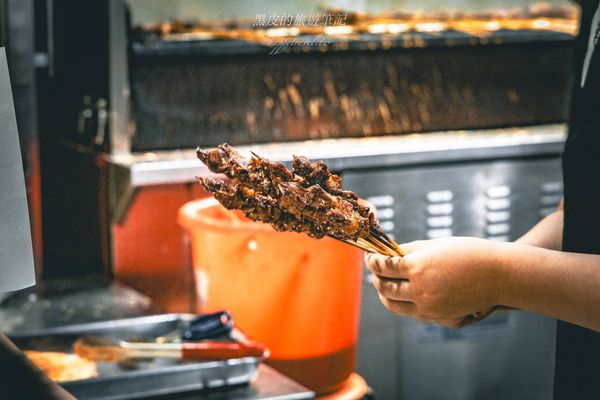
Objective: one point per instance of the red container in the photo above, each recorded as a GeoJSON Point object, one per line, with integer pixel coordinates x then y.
{"type": "Point", "coordinates": [298, 295]}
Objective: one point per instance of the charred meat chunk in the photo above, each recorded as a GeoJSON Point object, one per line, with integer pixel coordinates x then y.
{"type": "Point", "coordinates": [307, 199]}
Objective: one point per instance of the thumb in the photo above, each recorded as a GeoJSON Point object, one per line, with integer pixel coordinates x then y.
{"type": "Point", "coordinates": [412, 246]}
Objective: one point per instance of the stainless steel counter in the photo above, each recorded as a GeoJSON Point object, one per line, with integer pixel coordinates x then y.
{"type": "Point", "coordinates": [269, 385]}
{"type": "Point", "coordinates": [133, 171]}
{"type": "Point", "coordinates": [177, 166]}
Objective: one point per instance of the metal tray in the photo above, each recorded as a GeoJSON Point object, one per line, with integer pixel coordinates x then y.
{"type": "Point", "coordinates": [156, 378]}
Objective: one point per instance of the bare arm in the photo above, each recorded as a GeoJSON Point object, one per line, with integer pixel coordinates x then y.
{"type": "Point", "coordinates": [562, 285]}
{"type": "Point", "coordinates": [547, 233]}
{"type": "Point", "coordinates": [443, 280]}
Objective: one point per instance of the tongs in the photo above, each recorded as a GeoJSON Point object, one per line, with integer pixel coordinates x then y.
{"type": "Point", "coordinates": [204, 326]}
{"type": "Point", "coordinates": [183, 343]}
{"type": "Point", "coordinates": [103, 349]}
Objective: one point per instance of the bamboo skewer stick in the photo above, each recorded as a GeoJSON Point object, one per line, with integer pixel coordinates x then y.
{"type": "Point", "coordinates": [389, 243]}
{"type": "Point", "coordinates": [388, 250]}
{"type": "Point", "coordinates": [378, 247]}
{"type": "Point", "coordinates": [358, 244]}
{"type": "Point", "coordinates": [377, 243]}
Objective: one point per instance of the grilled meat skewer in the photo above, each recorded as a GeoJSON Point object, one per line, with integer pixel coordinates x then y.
{"type": "Point", "coordinates": [307, 199]}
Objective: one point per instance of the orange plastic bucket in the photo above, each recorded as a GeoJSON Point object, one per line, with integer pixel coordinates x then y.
{"type": "Point", "coordinates": [298, 295]}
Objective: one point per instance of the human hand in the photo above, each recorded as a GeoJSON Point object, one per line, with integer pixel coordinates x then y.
{"type": "Point", "coordinates": [441, 280]}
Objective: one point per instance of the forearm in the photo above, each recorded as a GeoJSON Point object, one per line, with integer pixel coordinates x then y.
{"type": "Point", "coordinates": [558, 284]}
{"type": "Point", "coordinates": [547, 233]}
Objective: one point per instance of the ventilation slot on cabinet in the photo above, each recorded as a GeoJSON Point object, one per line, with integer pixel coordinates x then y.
{"type": "Point", "coordinates": [551, 193]}
{"type": "Point", "coordinates": [384, 206]}
{"type": "Point", "coordinates": [439, 214]}
{"type": "Point", "coordinates": [497, 215]}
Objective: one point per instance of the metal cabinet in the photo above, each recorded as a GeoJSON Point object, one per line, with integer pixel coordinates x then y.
{"type": "Point", "coordinates": [509, 355]}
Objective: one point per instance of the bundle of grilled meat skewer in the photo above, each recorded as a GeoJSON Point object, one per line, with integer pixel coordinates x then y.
{"type": "Point", "coordinates": [307, 199]}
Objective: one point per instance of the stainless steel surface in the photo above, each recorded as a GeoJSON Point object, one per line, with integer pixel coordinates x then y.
{"type": "Point", "coordinates": [131, 171]}
{"type": "Point", "coordinates": [269, 385]}
{"type": "Point", "coordinates": [177, 166]}
{"type": "Point", "coordinates": [16, 252]}
{"type": "Point", "coordinates": [16, 19]}
{"type": "Point", "coordinates": [510, 354]}
{"type": "Point", "coordinates": [160, 377]}
{"type": "Point", "coordinates": [59, 302]}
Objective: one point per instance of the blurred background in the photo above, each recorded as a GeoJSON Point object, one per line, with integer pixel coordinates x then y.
{"type": "Point", "coordinates": [157, 10]}
{"type": "Point", "coordinates": [448, 116]}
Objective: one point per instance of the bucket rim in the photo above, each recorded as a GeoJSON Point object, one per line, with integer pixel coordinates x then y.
{"type": "Point", "coordinates": [188, 217]}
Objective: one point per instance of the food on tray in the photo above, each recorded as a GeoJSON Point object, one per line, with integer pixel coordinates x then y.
{"type": "Point", "coordinates": [62, 366]}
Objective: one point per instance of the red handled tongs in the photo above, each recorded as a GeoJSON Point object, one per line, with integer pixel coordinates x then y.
{"type": "Point", "coordinates": [101, 349]}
